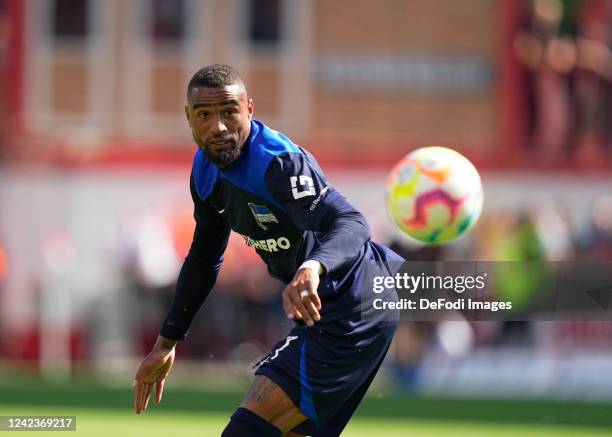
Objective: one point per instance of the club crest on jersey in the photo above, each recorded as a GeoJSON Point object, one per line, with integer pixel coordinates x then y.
{"type": "Point", "coordinates": [262, 215]}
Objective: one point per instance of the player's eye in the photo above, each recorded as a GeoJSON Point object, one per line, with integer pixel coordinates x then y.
{"type": "Point", "coordinates": [203, 114]}
{"type": "Point", "coordinates": [231, 111]}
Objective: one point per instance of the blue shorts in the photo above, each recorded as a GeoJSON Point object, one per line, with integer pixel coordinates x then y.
{"type": "Point", "coordinates": [326, 369]}
{"type": "Point", "coordinates": [326, 375]}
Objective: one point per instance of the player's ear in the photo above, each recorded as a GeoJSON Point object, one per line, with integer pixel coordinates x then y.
{"type": "Point", "coordinates": [187, 114]}
{"type": "Point", "coordinates": [250, 107]}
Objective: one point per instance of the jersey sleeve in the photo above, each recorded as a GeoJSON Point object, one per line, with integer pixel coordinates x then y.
{"type": "Point", "coordinates": [200, 269]}
{"type": "Point", "coordinates": [298, 184]}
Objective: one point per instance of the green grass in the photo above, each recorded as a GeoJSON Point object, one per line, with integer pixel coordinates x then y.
{"type": "Point", "coordinates": [105, 411]}
{"type": "Point", "coordinates": [154, 423]}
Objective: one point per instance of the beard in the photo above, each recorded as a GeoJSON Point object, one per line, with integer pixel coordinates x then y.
{"type": "Point", "coordinates": [223, 158]}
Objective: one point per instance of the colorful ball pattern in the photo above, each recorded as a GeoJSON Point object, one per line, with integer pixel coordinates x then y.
{"type": "Point", "coordinates": [434, 195]}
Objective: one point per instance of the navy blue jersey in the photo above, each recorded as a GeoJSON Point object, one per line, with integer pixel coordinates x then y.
{"type": "Point", "coordinates": [278, 199]}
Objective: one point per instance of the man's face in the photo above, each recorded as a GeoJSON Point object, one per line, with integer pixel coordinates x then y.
{"type": "Point", "coordinates": [220, 121]}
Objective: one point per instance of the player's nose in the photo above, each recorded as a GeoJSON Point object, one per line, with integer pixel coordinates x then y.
{"type": "Point", "coordinates": [218, 125]}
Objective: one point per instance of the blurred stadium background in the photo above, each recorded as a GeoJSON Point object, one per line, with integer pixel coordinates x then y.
{"type": "Point", "coordinates": [95, 213]}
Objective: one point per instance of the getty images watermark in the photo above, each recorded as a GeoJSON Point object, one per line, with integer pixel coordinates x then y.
{"type": "Point", "coordinates": [426, 282]}
{"type": "Point", "coordinates": [479, 290]}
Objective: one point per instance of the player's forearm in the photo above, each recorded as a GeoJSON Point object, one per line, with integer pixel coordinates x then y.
{"type": "Point", "coordinates": [192, 288]}
{"type": "Point", "coordinates": [342, 240]}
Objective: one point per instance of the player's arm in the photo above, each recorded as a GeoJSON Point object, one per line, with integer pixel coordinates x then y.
{"type": "Point", "coordinates": [299, 185]}
{"type": "Point", "coordinates": [199, 271]}
{"type": "Point", "coordinates": [196, 279]}
{"type": "Point", "coordinates": [297, 182]}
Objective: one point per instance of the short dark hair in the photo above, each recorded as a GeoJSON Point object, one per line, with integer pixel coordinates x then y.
{"type": "Point", "coordinates": [215, 76]}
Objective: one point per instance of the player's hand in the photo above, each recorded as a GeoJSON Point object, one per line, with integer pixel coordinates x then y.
{"type": "Point", "coordinates": [153, 372]}
{"type": "Point", "coordinates": [300, 297]}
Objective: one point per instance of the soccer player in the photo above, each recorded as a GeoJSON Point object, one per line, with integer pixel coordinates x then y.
{"type": "Point", "coordinates": [253, 180]}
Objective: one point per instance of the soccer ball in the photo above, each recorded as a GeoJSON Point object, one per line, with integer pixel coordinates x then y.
{"type": "Point", "coordinates": [434, 194]}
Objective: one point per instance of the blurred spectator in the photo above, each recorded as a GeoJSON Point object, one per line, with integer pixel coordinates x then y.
{"type": "Point", "coordinates": [597, 243]}
{"type": "Point", "coordinates": [593, 84]}
{"type": "Point", "coordinates": [151, 267]}
{"type": "Point", "coordinates": [411, 342]}
{"type": "Point", "coordinates": [565, 47]}
{"type": "Point", "coordinates": [550, 57]}
{"type": "Point", "coordinates": [553, 231]}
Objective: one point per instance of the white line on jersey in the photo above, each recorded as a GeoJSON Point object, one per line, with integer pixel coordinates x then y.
{"type": "Point", "coordinates": [287, 341]}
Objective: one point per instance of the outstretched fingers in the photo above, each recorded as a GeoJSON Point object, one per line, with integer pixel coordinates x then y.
{"type": "Point", "coordinates": [148, 396]}
{"type": "Point", "coordinates": [138, 386]}
{"type": "Point", "coordinates": [142, 393]}
{"type": "Point", "coordinates": [159, 390]}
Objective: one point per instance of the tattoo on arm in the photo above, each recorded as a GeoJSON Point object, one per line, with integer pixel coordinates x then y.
{"type": "Point", "coordinates": [260, 390]}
